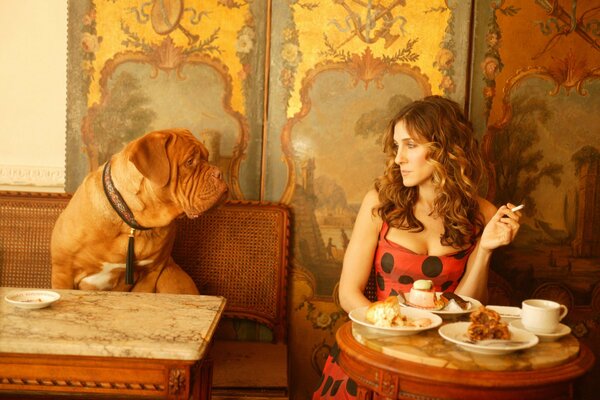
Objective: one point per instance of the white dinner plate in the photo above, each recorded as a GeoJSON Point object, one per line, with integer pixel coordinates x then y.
{"type": "Point", "coordinates": [506, 312]}
{"type": "Point", "coordinates": [32, 298]}
{"type": "Point", "coordinates": [562, 331]}
{"type": "Point", "coordinates": [474, 305]}
{"type": "Point", "coordinates": [520, 339]}
{"type": "Point", "coordinates": [359, 315]}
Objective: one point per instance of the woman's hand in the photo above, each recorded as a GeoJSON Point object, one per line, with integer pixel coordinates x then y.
{"type": "Point", "coordinates": [501, 229]}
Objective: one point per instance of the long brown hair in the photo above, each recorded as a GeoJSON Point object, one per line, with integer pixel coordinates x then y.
{"type": "Point", "coordinates": [440, 125]}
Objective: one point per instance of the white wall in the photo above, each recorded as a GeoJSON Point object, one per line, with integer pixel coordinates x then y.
{"type": "Point", "coordinates": [33, 59]}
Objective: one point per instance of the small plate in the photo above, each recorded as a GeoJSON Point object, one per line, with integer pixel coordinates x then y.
{"type": "Point", "coordinates": [359, 315]}
{"type": "Point", "coordinates": [32, 298]}
{"type": "Point", "coordinates": [457, 333]}
{"type": "Point", "coordinates": [475, 304]}
{"type": "Point", "coordinates": [507, 313]}
{"type": "Point", "coordinates": [562, 331]}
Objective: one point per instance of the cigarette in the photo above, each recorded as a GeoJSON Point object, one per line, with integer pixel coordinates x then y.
{"type": "Point", "coordinates": [517, 208]}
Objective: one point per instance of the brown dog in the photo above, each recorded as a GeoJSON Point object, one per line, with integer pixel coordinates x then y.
{"type": "Point", "coordinates": [148, 184]}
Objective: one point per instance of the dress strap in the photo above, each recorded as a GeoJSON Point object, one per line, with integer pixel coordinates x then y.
{"type": "Point", "coordinates": [384, 230]}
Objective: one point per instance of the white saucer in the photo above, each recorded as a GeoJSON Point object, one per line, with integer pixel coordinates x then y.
{"type": "Point", "coordinates": [32, 298]}
{"type": "Point", "coordinates": [507, 313]}
{"type": "Point", "coordinates": [562, 331]}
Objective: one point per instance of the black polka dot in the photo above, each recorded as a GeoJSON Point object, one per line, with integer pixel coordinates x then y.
{"type": "Point", "coordinates": [327, 385]}
{"type": "Point", "coordinates": [393, 293]}
{"type": "Point", "coordinates": [460, 255]}
{"type": "Point", "coordinates": [446, 285]}
{"type": "Point", "coordinates": [432, 267]}
{"type": "Point", "coordinates": [351, 387]}
{"type": "Point", "coordinates": [335, 387]}
{"type": "Point", "coordinates": [387, 262]}
{"type": "Point", "coordinates": [380, 282]}
{"type": "Point", "coordinates": [334, 352]}
{"type": "Point", "coordinates": [406, 280]}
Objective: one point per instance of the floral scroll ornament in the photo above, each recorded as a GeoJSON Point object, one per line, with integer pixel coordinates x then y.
{"type": "Point", "coordinates": [291, 57]}
{"type": "Point", "coordinates": [90, 42]}
{"type": "Point", "coordinates": [177, 381]}
{"type": "Point", "coordinates": [370, 22]}
{"type": "Point", "coordinates": [319, 319]}
{"type": "Point", "coordinates": [445, 58]}
{"type": "Point", "coordinates": [244, 47]}
{"type": "Point", "coordinates": [492, 65]}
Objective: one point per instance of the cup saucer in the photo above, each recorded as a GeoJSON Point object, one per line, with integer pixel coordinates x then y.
{"type": "Point", "coordinates": [561, 331]}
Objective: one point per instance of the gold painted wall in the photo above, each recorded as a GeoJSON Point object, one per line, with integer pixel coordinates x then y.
{"type": "Point", "coordinates": [292, 97]}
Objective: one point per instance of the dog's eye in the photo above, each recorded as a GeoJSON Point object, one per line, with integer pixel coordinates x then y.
{"type": "Point", "coordinates": [190, 162]}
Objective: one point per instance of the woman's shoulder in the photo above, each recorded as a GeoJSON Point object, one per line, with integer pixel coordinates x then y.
{"type": "Point", "coordinates": [487, 208]}
{"type": "Point", "coordinates": [372, 197]}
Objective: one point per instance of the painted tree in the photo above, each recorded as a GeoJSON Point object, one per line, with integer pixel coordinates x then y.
{"type": "Point", "coordinates": [125, 116]}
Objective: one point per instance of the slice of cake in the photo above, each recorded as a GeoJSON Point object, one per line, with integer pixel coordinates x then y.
{"type": "Point", "coordinates": [423, 295]}
{"type": "Point", "coordinates": [454, 302]}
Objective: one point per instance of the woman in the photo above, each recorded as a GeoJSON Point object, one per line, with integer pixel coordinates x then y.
{"type": "Point", "coordinates": [423, 219]}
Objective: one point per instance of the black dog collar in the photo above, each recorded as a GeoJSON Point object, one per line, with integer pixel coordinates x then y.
{"type": "Point", "coordinates": [116, 201]}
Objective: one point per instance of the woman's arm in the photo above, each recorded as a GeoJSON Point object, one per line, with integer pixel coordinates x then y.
{"type": "Point", "coordinates": [501, 228]}
{"type": "Point", "coordinates": [358, 259]}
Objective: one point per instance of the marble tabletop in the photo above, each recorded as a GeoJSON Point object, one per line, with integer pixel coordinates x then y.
{"type": "Point", "coordinates": [112, 324]}
{"type": "Point", "coordinates": [429, 348]}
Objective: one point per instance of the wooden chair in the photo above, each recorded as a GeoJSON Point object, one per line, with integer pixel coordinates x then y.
{"type": "Point", "coordinates": [240, 251]}
{"type": "Point", "coordinates": [26, 223]}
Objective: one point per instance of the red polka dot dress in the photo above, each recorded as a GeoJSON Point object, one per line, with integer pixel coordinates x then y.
{"type": "Point", "coordinates": [396, 268]}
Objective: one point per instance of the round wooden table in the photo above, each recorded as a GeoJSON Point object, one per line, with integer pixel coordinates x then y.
{"type": "Point", "coordinates": [427, 367]}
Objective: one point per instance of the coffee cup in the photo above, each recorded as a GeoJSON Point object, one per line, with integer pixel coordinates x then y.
{"type": "Point", "coordinates": [542, 316]}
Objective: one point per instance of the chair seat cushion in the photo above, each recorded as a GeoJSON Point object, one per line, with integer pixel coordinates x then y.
{"type": "Point", "coordinates": [239, 364]}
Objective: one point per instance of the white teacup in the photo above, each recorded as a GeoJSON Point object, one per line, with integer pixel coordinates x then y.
{"type": "Point", "coordinates": [542, 316]}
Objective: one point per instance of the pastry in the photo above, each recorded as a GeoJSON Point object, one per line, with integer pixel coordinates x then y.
{"type": "Point", "coordinates": [486, 324]}
{"type": "Point", "coordinates": [387, 314]}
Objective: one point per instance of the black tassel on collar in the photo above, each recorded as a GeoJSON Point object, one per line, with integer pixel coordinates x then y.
{"type": "Point", "coordinates": [116, 201]}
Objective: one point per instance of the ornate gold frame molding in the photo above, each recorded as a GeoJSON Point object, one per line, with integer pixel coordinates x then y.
{"type": "Point", "coordinates": [362, 67]}
{"type": "Point", "coordinates": [168, 57]}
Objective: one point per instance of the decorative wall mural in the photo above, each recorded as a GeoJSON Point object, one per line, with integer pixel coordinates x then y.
{"type": "Point", "coordinates": [141, 66]}
{"type": "Point", "coordinates": [292, 97]}
{"type": "Point", "coordinates": [537, 107]}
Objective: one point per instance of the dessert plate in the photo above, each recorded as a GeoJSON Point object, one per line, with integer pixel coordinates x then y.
{"type": "Point", "coordinates": [445, 312]}
{"type": "Point", "coordinates": [520, 339]}
{"type": "Point", "coordinates": [32, 298]}
{"type": "Point", "coordinates": [562, 331]}
{"type": "Point", "coordinates": [359, 316]}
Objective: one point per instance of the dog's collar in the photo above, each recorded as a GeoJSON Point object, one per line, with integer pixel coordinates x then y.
{"type": "Point", "coordinates": [116, 200]}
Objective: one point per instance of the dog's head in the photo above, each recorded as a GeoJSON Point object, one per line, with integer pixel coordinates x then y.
{"type": "Point", "coordinates": [176, 165]}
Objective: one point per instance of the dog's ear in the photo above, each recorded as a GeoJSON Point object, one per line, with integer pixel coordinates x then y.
{"type": "Point", "coordinates": [149, 155]}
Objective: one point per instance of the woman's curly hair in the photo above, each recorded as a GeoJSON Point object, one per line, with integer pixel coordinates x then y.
{"type": "Point", "coordinates": [440, 125]}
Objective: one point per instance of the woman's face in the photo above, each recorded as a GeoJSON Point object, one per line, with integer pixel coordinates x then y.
{"type": "Point", "coordinates": [411, 157]}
